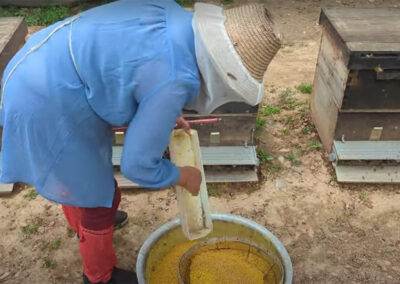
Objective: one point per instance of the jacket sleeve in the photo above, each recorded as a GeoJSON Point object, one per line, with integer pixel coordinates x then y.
{"type": "Point", "coordinates": [148, 135]}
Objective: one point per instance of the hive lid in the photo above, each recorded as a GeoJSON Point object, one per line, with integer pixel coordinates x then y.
{"type": "Point", "coordinates": [8, 27]}
{"type": "Point", "coordinates": [365, 29]}
{"type": "Point", "coordinates": [12, 34]}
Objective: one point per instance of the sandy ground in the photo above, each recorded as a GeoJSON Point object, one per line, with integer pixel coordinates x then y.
{"type": "Point", "coordinates": [334, 233]}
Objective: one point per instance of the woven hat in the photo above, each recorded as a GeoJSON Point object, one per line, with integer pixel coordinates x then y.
{"type": "Point", "coordinates": [252, 32]}
{"type": "Point", "coordinates": [233, 50]}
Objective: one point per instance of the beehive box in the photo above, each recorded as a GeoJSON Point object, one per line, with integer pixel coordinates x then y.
{"type": "Point", "coordinates": [12, 36]}
{"type": "Point", "coordinates": [356, 99]}
{"type": "Point", "coordinates": [227, 147]}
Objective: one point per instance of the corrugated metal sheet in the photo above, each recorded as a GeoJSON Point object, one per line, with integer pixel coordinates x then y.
{"type": "Point", "coordinates": [231, 176]}
{"type": "Point", "coordinates": [367, 150]}
{"type": "Point", "coordinates": [226, 156]}
{"type": "Point", "coordinates": [368, 174]}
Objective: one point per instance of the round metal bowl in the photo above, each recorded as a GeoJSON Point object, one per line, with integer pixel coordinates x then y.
{"type": "Point", "coordinates": [225, 225]}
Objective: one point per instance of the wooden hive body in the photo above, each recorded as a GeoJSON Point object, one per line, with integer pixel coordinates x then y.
{"type": "Point", "coordinates": [236, 127]}
{"type": "Point", "coordinates": [356, 94]}
{"type": "Point", "coordinates": [357, 81]}
{"type": "Point", "coordinates": [12, 36]}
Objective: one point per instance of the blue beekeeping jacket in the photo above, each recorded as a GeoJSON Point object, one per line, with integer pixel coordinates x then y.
{"type": "Point", "coordinates": [125, 63]}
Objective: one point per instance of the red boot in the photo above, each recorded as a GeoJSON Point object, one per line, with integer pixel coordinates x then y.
{"type": "Point", "coordinates": [97, 253]}
{"type": "Point", "coordinates": [99, 259]}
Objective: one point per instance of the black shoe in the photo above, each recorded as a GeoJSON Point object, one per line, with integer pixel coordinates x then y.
{"type": "Point", "coordinates": [119, 276]}
{"type": "Point", "coordinates": [121, 218]}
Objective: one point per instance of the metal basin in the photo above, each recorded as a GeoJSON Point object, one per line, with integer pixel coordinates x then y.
{"type": "Point", "coordinates": [170, 234]}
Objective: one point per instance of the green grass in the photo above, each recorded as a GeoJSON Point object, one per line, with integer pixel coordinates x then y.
{"type": "Point", "coordinates": [305, 88]}
{"type": "Point", "coordinates": [70, 232]}
{"type": "Point", "coordinates": [55, 245]}
{"type": "Point", "coordinates": [285, 95]}
{"type": "Point", "coordinates": [315, 145]}
{"type": "Point", "coordinates": [273, 169]}
{"type": "Point", "coordinates": [185, 3]}
{"type": "Point", "coordinates": [31, 195]}
{"type": "Point", "coordinates": [308, 129]}
{"type": "Point", "coordinates": [214, 189]}
{"type": "Point", "coordinates": [363, 195]}
{"type": "Point", "coordinates": [286, 99]}
{"type": "Point", "coordinates": [286, 131]}
{"type": "Point", "coordinates": [271, 110]}
{"type": "Point", "coordinates": [48, 15]}
{"type": "Point", "coordinates": [334, 176]}
{"type": "Point", "coordinates": [264, 156]}
{"type": "Point", "coordinates": [32, 228]}
{"type": "Point", "coordinates": [292, 158]}
{"type": "Point", "coordinates": [51, 245]}
{"type": "Point", "coordinates": [347, 214]}
{"type": "Point", "coordinates": [290, 120]}
{"type": "Point", "coordinates": [227, 1]}
{"type": "Point", "coordinates": [293, 104]}
{"type": "Point", "coordinates": [42, 16]}
{"type": "Point", "coordinates": [260, 123]}
{"type": "Point", "coordinates": [304, 111]}
{"type": "Point", "coordinates": [48, 263]}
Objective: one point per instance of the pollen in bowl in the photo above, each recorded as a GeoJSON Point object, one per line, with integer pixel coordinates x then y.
{"type": "Point", "coordinates": [225, 265]}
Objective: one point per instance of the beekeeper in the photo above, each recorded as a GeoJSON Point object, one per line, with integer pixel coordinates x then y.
{"type": "Point", "coordinates": [133, 63]}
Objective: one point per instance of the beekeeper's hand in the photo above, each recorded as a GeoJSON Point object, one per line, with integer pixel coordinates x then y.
{"type": "Point", "coordinates": [181, 123]}
{"type": "Point", "coordinates": [190, 178]}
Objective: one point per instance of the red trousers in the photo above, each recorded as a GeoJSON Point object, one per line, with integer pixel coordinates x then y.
{"type": "Point", "coordinates": [95, 227]}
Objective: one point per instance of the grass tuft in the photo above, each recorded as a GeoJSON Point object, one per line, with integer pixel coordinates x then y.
{"type": "Point", "coordinates": [32, 228]}
{"type": "Point", "coordinates": [287, 100]}
{"type": "Point", "coordinates": [264, 156]}
{"type": "Point", "coordinates": [260, 123]}
{"type": "Point", "coordinates": [315, 145]}
{"type": "Point", "coordinates": [31, 195]}
{"type": "Point", "coordinates": [42, 16]}
{"type": "Point", "coordinates": [305, 88]}
{"type": "Point", "coordinates": [363, 195]}
{"type": "Point", "coordinates": [214, 189]}
{"type": "Point", "coordinates": [271, 110]}
{"type": "Point", "coordinates": [51, 245]}
{"type": "Point", "coordinates": [48, 263]}
{"type": "Point", "coordinates": [286, 131]}
{"type": "Point", "coordinates": [46, 15]}
{"type": "Point", "coordinates": [308, 129]}
{"type": "Point", "coordinates": [273, 169]}
{"type": "Point", "coordinates": [292, 158]}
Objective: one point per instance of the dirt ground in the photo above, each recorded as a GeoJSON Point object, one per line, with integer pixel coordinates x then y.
{"type": "Point", "coordinates": [334, 233]}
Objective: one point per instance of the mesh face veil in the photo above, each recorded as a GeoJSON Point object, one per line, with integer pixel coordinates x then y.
{"type": "Point", "coordinates": [229, 73]}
